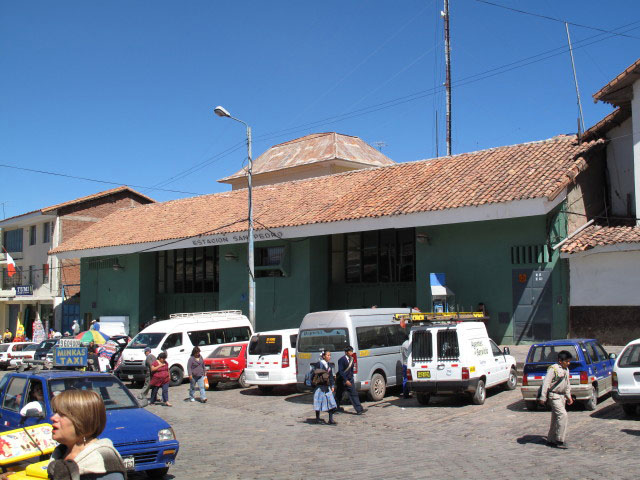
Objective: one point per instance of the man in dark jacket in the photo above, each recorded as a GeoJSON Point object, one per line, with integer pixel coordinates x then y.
{"type": "Point", "coordinates": [147, 379]}
{"type": "Point", "coordinates": [346, 382]}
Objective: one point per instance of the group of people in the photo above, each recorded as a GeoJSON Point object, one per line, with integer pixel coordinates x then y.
{"type": "Point", "coordinates": [330, 388]}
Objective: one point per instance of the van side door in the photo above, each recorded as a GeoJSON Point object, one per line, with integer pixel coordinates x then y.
{"type": "Point", "coordinates": [175, 348]}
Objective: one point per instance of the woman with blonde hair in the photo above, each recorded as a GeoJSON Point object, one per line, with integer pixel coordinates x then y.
{"type": "Point", "coordinates": [79, 418]}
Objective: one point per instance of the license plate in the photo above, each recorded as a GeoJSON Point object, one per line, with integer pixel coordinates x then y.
{"type": "Point", "coordinates": [424, 374]}
{"type": "Point", "coordinates": [130, 377]}
{"type": "Point", "coordinates": [129, 463]}
{"type": "Point", "coordinates": [263, 374]}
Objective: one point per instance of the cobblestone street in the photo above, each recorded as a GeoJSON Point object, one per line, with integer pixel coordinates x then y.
{"type": "Point", "coordinates": [240, 433]}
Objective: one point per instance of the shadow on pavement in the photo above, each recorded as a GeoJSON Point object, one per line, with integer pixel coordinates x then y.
{"type": "Point", "coordinates": [535, 439]}
{"type": "Point", "coordinates": [274, 392]}
{"type": "Point", "coordinates": [611, 412]}
{"type": "Point", "coordinates": [301, 398]}
{"type": "Point", "coordinates": [631, 432]}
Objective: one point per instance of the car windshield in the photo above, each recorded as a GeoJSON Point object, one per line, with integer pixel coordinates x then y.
{"type": "Point", "coordinates": [143, 340]}
{"type": "Point", "coordinates": [114, 394]}
{"type": "Point", "coordinates": [549, 353]}
{"type": "Point", "coordinates": [30, 348]}
{"type": "Point", "coordinates": [227, 351]}
{"type": "Point", "coordinates": [333, 339]}
{"type": "Point", "coordinates": [265, 345]}
{"type": "Point", "coordinates": [4, 347]}
{"type": "Point", "coordinates": [46, 344]}
{"type": "Point", "coordinates": [630, 357]}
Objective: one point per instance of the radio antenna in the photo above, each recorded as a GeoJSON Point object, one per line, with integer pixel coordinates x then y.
{"type": "Point", "coordinates": [575, 80]}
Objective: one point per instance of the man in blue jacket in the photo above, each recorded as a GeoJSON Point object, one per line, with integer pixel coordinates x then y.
{"type": "Point", "coordinates": [345, 381]}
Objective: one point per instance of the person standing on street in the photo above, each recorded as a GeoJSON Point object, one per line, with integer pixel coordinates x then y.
{"type": "Point", "coordinates": [556, 389]}
{"type": "Point", "coordinates": [160, 379]}
{"type": "Point", "coordinates": [323, 400]}
{"type": "Point", "coordinates": [195, 369]}
{"type": "Point", "coordinates": [75, 328]}
{"type": "Point", "coordinates": [150, 358]}
{"type": "Point", "coordinates": [346, 381]}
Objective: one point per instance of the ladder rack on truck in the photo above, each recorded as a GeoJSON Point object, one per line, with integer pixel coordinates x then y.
{"type": "Point", "coordinates": [420, 318]}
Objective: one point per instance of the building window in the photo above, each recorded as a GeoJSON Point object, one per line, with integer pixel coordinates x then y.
{"type": "Point", "coordinates": [46, 232]}
{"type": "Point", "coordinates": [32, 234]}
{"type": "Point", "coordinates": [190, 270]}
{"type": "Point", "coordinates": [377, 257]}
{"type": "Point", "coordinates": [269, 261]}
{"type": "Point", "coordinates": [13, 240]}
{"type": "Point", "coordinates": [45, 273]}
{"type": "Point", "coordinates": [30, 274]}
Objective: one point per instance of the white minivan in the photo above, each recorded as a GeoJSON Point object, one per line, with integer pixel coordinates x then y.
{"type": "Point", "coordinates": [626, 378]}
{"type": "Point", "coordinates": [453, 357]}
{"type": "Point", "coordinates": [271, 359]}
{"type": "Point", "coordinates": [177, 336]}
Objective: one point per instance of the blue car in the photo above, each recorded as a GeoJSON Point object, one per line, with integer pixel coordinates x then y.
{"type": "Point", "coordinates": [145, 441]}
{"type": "Point", "coordinates": [591, 370]}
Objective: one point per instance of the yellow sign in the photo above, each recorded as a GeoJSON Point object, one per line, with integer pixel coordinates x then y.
{"type": "Point", "coordinates": [364, 353]}
{"type": "Point", "coordinates": [472, 369]}
{"type": "Point", "coordinates": [304, 356]}
{"type": "Point", "coordinates": [270, 340]}
{"type": "Point", "coordinates": [20, 327]}
{"type": "Point", "coordinates": [18, 445]}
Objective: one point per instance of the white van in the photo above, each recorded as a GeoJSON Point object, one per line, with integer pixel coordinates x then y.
{"type": "Point", "coordinates": [373, 333]}
{"type": "Point", "coordinates": [271, 359]}
{"type": "Point", "coordinates": [448, 358]}
{"type": "Point", "coordinates": [177, 336]}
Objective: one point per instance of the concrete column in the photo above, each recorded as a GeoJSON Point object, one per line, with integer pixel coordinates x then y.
{"type": "Point", "coordinates": [635, 118]}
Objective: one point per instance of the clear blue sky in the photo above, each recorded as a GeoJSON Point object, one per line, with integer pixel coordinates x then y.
{"type": "Point", "coordinates": [124, 91]}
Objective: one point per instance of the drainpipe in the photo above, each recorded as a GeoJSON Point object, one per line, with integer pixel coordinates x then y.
{"type": "Point", "coordinates": [575, 232]}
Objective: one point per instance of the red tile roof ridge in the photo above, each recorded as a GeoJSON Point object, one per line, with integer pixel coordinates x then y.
{"type": "Point", "coordinates": [618, 78]}
{"type": "Point", "coordinates": [602, 235]}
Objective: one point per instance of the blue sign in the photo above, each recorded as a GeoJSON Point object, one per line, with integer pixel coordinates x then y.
{"type": "Point", "coordinates": [70, 356]}
{"type": "Point", "coordinates": [24, 290]}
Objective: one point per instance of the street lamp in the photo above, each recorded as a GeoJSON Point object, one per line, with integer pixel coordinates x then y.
{"type": "Point", "coordinates": [222, 112]}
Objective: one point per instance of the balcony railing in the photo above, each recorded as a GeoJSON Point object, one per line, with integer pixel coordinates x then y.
{"type": "Point", "coordinates": [10, 282]}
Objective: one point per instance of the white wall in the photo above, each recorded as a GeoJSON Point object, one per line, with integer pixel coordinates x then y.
{"type": "Point", "coordinates": [635, 117]}
{"type": "Point", "coordinates": [605, 279]}
{"type": "Point", "coordinates": [620, 165]}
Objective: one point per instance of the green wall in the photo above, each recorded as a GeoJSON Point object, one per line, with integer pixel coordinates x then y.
{"type": "Point", "coordinates": [125, 292]}
{"type": "Point", "coordinates": [476, 258]}
{"type": "Point", "coordinates": [281, 302]}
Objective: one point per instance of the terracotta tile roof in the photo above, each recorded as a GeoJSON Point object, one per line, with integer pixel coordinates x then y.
{"type": "Point", "coordinates": [616, 91]}
{"type": "Point", "coordinates": [498, 175]}
{"type": "Point", "coordinates": [596, 236]}
{"type": "Point", "coordinates": [105, 193]}
{"type": "Point", "coordinates": [315, 148]}
{"type": "Point", "coordinates": [612, 120]}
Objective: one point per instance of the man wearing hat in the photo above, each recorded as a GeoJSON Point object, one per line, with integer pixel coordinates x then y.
{"type": "Point", "coordinates": [346, 381]}
{"type": "Point", "coordinates": [147, 379]}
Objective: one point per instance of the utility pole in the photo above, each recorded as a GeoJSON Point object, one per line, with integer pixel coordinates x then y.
{"type": "Point", "coordinates": [437, 133]}
{"type": "Point", "coordinates": [447, 84]}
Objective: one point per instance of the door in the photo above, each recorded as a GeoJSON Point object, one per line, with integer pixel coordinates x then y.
{"type": "Point", "coordinates": [176, 351]}
{"type": "Point", "coordinates": [499, 368]}
{"type": "Point", "coordinates": [448, 351]}
{"type": "Point", "coordinates": [607, 363]}
{"type": "Point", "coordinates": [532, 305]}
{"type": "Point", "coordinates": [12, 401]}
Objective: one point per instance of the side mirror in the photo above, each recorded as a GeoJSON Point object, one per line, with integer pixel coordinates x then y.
{"type": "Point", "coordinates": [507, 351]}
{"type": "Point", "coordinates": [612, 356]}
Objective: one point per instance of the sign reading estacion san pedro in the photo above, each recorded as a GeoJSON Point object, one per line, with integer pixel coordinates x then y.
{"type": "Point", "coordinates": [235, 238]}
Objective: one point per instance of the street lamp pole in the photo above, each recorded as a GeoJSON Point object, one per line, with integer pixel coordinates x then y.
{"type": "Point", "coordinates": [222, 112]}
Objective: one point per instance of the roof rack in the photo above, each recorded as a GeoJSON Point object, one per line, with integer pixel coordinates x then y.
{"type": "Point", "coordinates": [440, 317]}
{"type": "Point", "coordinates": [218, 313]}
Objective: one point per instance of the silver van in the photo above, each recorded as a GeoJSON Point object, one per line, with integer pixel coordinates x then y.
{"type": "Point", "coordinates": [376, 340]}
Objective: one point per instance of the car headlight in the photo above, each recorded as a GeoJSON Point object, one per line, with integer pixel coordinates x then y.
{"type": "Point", "coordinates": [166, 434]}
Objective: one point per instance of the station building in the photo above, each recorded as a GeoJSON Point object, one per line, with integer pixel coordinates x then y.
{"type": "Point", "coordinates": [370, 235]}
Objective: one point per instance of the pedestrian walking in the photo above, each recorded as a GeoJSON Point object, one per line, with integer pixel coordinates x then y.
{"type": "Point", "coordinates": [150, 358]}
{"type": "Point", "coordinates": [406, 350]}
{"type": "Point", "coordinates": [160, 379]}
{"type": "Point", "coordinates": [323, 400]}
{"type": "Point", "coordinates": [195, 369]}
{"type": "Point", "coordinates": [346, 382]}
{"type": "Point", "coordinates": [75, 328]}
{"type": "Point", "coordinates": [556, 389]}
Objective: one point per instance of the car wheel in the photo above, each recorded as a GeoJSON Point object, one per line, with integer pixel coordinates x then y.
{"type": "Point", "coordinates": [177, 375]}
{"type": "Point", "coordinates": [629, 409]}
{"type": "Point", "coordinates": [592, 403]}
{"type": "Point", "coordinates": [512, 382]}
{"type": "Point", "coordinates": [378, 388]}
{"type": "Point", "coordinates": [242, 381]}
{"type": "Point", "coordinates": [480, 394]}
{"type": "Point", "coordinates": [264, 389]}
{"type": "Point", "coordinates": [157, 472]}
{"type": "Point", "coordinates": [423, 398]}
{"type": "Point", "coordinates": [212, 385]}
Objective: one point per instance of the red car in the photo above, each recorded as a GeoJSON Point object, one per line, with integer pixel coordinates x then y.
{"type": "Point", "coordinates": [226, 364]}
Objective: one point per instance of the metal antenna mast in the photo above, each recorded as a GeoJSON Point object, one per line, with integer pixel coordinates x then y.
{"type": "Point", "coordinates": [447, 51]}
{"type": "Point", "coordinates": [575, 80]}
{"type": "Point", "coordinates": [437, 153]}
{"type": "Point", "coordinates": [379, 145]}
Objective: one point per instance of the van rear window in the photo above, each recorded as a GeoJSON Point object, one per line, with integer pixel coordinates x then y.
{"type": "Point", "coordinates": [265, 345]}
{"type": "Point", "coordinates": [448, 348]}
{"type": "Point", "coordinates": [549, 353]}
{"type": "Point", "coordinates": [630, 357]}
{"type": "Point", "coordinates": [332, 339]}
{"type": "Point", "coordinates": [421, 346]}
